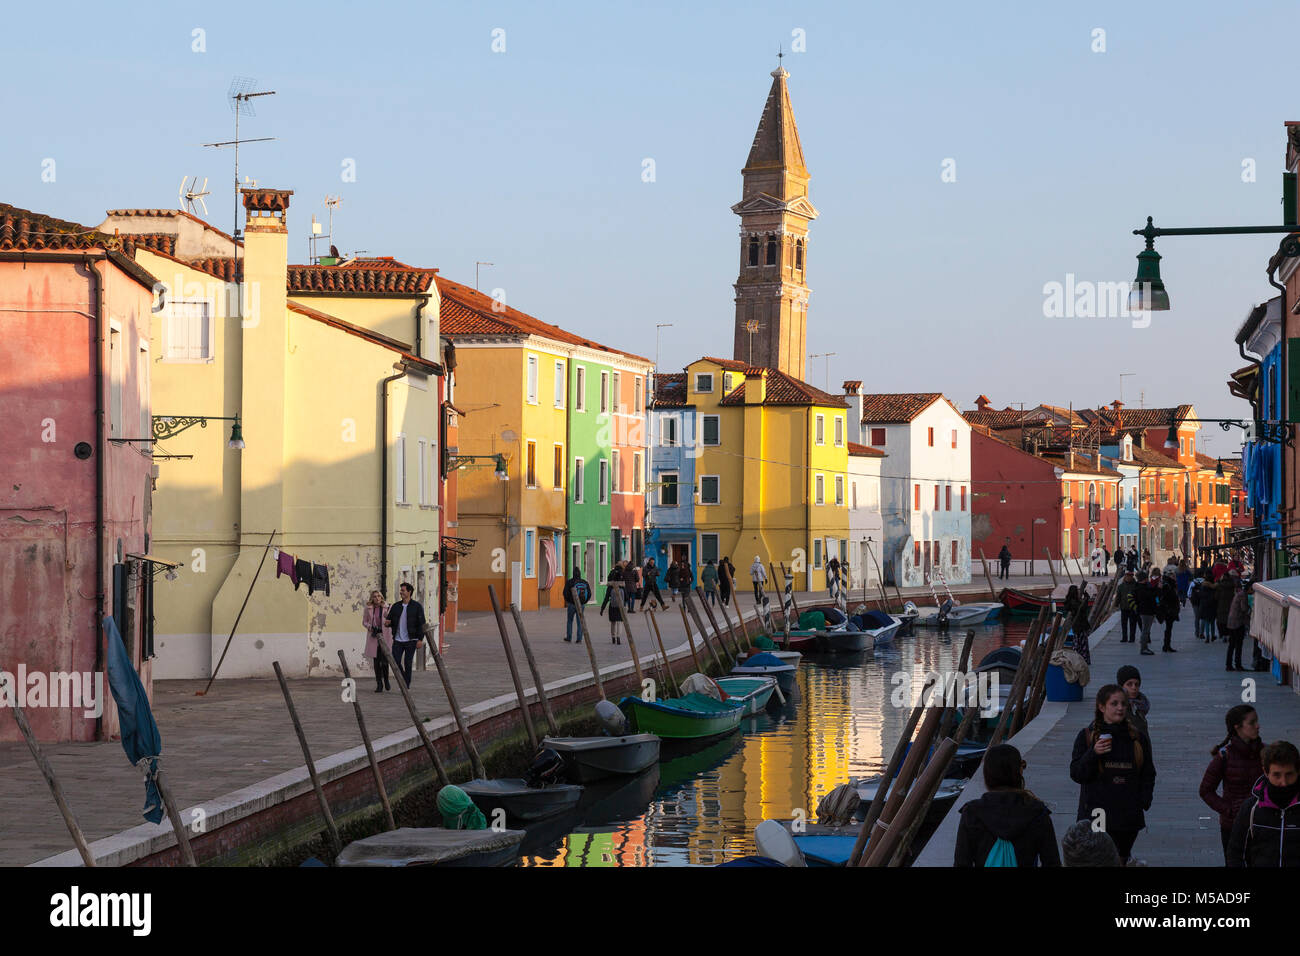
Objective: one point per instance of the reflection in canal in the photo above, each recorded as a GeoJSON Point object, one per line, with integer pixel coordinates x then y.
{"type": "Point", "coordinates": [700, 808]}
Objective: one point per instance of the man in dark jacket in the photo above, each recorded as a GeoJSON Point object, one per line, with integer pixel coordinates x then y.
{"type": "Point", "coordinates": [630, 586]}
{"type": "Point", "coordinates": [406, 618]}
{"type": "Point", "coordinates": [671, 577]}
{"type": "Point", "coordinates": [1126, 598]}
{"type": "Point", "coordinates": [650, 584]}
{"type": "Point", "coordinates": [1267, 830]}
{"type": "Point", "coordinates": [1209, 608]}
{"type": "Point", "coordinates": [577, 592]}
{"type": "Point", "coordinates": [1169, 605]}
{"type": "Point", "coordinates": [1148, 603]}
{"type": "Point", "coordinates": [1004, 562]}
{"type": "Point", "coordinates": [1224, 591]}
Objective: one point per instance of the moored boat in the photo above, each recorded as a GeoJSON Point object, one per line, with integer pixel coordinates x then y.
{"type": "Point", "coordinates": [434, 846]}
{"type": "Point", "coordinates": [690, 717]}
{"type": "Point", "coordinates": [1023, 604]}
{"type": "Point", "coordinates": [593, 758]}
{"type": "Point", "coordinates": [752, 693]}
{"type": "Point", "coordinates": [959, 614]}
{"type": "Point", "coordinates": [519, 800]}
{"type": "Point", "coordinates": [767, 665]}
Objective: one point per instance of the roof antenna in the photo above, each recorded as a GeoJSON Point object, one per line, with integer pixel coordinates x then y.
{"type": "Point", "coordinates": [780, 55]}
{"type": "Point", "coordinates": [240, 96]}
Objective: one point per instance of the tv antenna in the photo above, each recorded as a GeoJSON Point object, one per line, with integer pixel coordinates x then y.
{"type": "Point", "coordinates": [478, 263]}
{"type": "Point", "coordinates": [240, 96]}
{"type": "Point", "coordinates": [194, 193]}
{"type": "Point", "coordinates": [331, 203]}
{"type": "Point", "coordinates": [752, 326]}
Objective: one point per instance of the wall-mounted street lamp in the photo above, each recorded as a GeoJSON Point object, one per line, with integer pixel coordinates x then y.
{"type": "Point", "coordinates": [169, 426]}
{"type": "Point", "coordinates": [1274, 431]}
{"type": "Point", "coordinates": [499, 470]}
{"type": "Point", "coordinates": [1148, 292]}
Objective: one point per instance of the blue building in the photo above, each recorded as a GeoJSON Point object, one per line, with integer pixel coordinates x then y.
{"type": "Point", "coordinates": [670, 498]}
{"type": "Point", "coordinates": [1118, 450]}
{"type": "Point", "coordinates": [1260, 336]}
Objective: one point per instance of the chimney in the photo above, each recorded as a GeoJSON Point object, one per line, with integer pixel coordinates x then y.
{"type": "Point", "coordinates": [982, 403]}
{"type": "Point", "coordinates": [853, 393]}
{"type": "Point", "coordinates": [262, 335]}
{"type": "Point", "coordinates": [1118, 408]}
{"type": "Point", "coordinates": [755, 386]}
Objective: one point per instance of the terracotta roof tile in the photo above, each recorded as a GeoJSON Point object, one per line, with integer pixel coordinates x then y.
{"type": "Point", "coordinates": [467, 311]}
{"type": "Point", "coordinates": [1154, 459]}
{"type": "Point", "coordinates": [995, 418]}
{"type": "Point", "coordinates": [362, 279]}
{"type": "Point", "coordinates": [896, 407]}
{"type": "Point", "coordinates": [670, 390]}
{"type": "Point", "coordinates": [374, 262]}
{"type": "Point", "coordinates": [865, 450]}
{"type": "Point", "coordinates": [24, 229]}
{"type": "Point", "coordinates": [153, 241]}
{"type": "Point", "coordinates": [731, 365]}
{"type": "Point", "coordinates": [224, 268]}
{"type": "Point", "coordinates": [783, 389]}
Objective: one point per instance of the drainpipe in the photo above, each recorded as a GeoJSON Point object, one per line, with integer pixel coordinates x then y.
{"type": "Point", "coordinates": [419, 323]}
{"type": "Point", "coordinates": [383, 476]}
{"type": "Point", "coordinates": [101, 470]}
{"type": "Point", "coordinates": [1286, 392]}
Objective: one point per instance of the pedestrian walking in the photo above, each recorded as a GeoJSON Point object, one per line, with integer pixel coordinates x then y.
{"type": "Point", "coordinates": [650, 584]}
{"type": "Point", "coordinates": [1115, 770]}
{"type": "Point", "coordinates": [1105, 562]}
{"type": "Point", "coordinates": [1095, 560]}
{"type": "Point", "coordinates": [1238, 621]}
{"type": "Point", "coordinates": [406, 618]}
{"type": "Point", "coordinates": [616, 612]}
{"type": "Point", "coordinates": [1126, 597]}
{"type": "Point", "coordinates": [631, 585]}
{"type": "Point", "coordinates": [670, 579]}
{"type": "Point", "coordinates": [577, 592]}
{"type": "Point", "coordinates": [725, 579]}
{"type": "Point", "coordinates": [685, 577]}
{"type": "Point", "coordinates": [758, 574]}
{"type": "Point", "coordinates": [1168, 607]}
{"type": "Point", "coordinates": [1004, 562]}
{"type": "Point", "coordinates": [1081, 626]}
{"type": "Point", "coordinates": [1194, 601]}
{"type": "Point", "coordinates": [1219, 568]}
{"type": "Point", "coordinates": [1007, 825]}
{"type": "Point", "coordinates": [1266, 832]}
{"type": "Point", "coordinates": [709, 582]}
{"type": "Point", "coordinates": [1184, 580]}
{"type": "Point", "coordinates": [1130, 678]}
{"type": "Point", "coordinates": [1148, 603]}
{"type": "Point", "coordinates": [374, 620]}
{"type": "Point", "coordinates": [1131, 559]}
{"type": "Point", "coordinates": [1225, 589]}
{"type": "Point", "coordinates": [1209, 607]}
{"type": "Point", "coordinates": [1234, 766]}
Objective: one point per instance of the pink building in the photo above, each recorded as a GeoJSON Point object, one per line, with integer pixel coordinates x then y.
{"type": "Point", "coordinates": [75, 499]}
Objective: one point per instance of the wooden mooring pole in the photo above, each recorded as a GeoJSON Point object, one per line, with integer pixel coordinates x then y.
{"type": "Point", "coordinates": [370, 750]}
{"type": "Point", "coordinates": [336, 845]}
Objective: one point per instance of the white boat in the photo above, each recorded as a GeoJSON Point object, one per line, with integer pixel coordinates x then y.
{"type": "Point", "coordinates": [865, 640]}
{"type": "Point", "coordinates": [593, 758]}
{"type": "Point", "coordinates": [752, 692]}
{"type": "Point", "coordinates": [959, 614]}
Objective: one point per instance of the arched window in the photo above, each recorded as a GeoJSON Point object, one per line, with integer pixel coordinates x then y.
{"type": "Point", "coordinates": [753, 250]}
{"type": "Point", "coordinates": [771, 250]}
{"type": "Point", "coordinates": [798, 255]}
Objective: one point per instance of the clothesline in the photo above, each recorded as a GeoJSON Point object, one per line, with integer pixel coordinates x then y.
{"type": "Point", "coordinates": [301, 571]}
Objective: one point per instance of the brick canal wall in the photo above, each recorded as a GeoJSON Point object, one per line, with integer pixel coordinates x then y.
{"type": "Point", "coordinates": [282, 825]}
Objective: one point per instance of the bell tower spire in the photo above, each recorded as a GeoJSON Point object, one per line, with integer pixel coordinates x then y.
{"type": "Point", "coordinates": [774, 211]}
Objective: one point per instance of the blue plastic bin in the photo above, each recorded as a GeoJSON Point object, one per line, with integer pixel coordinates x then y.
{"type": "Point", "coordinates": [1060, 689]}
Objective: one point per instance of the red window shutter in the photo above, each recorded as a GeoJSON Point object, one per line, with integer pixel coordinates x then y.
{"type": "Point", "coordinates": [936, 497]}
{"type": "Point", "coordinates": [963, 497]}
{"type": "Point", "coordinates": [916, 553]}
{"type": "Point", "coordinates": [954, 554]}
{"type": "Point", "coordinates": [917, 505]}
{"type": "Point", "coordinates": [930, 436]}
{"type": "Point", "coordinates": [954, 438]}
{"type": "Point", "coordinates": [947, 497]}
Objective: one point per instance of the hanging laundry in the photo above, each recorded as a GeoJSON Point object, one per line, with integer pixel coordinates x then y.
{"type": "Point", "coordinates": [304, 574]}
{"type": "Point", "coordinates": [284, 564]}
{"type": "Point", "coordinates": [320, 578]}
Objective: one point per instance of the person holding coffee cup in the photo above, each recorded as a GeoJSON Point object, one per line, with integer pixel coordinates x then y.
{"type": "Point", "coordinates": [1113, 766]}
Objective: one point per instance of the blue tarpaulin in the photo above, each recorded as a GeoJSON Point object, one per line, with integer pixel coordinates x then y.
{"type": "Point", "coordinates": [140, 737]}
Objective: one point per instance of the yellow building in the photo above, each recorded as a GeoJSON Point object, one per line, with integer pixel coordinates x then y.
{"type": "Point", "coordinates": [332, 370]}
{"type": "Point", "coordinates": [771, 468]}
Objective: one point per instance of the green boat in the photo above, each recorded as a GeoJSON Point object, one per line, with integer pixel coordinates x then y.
{"type": "Point", "coordinates": [691, 717]}
{"type": "Point", "coordinates": [751, 692]}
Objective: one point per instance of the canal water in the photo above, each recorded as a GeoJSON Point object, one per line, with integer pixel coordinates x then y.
{"type": "Point", "coordinates": [700, 808]}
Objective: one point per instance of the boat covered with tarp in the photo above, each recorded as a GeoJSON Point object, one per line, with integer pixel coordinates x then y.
{"type": "Point", "coordinates": [434, 846]}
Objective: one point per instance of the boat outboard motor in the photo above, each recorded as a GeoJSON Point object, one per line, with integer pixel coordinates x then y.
{"type": "Point", "coordinates": [612, 720]}
{"type": "Point", "coordinates": [547, 768]}
{"type": "Point", "coordinates": [910, 609]}
{"type": "Point", "coordinates": [944, 610]}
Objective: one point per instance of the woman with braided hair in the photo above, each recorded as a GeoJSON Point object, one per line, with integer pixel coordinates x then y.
{"type": "Point", "coordinates": [1112, 764]}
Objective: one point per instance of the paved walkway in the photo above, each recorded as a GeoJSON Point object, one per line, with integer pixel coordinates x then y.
{"type": "Point", "coordinates": [1190, 691]}
{"type": "Point", "coordinates": [240, 733]}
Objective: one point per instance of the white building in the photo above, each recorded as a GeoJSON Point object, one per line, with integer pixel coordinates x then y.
{"type": "Point", "coordinates": [925, 483]}
{"type": "Point", "coordinates": [866, 527]}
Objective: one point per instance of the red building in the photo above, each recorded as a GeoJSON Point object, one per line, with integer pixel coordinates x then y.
{"type": "Point", "coordinates": [75, 501]}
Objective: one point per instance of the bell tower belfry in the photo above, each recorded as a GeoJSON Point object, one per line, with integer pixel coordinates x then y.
{"type": "Point", "coordinates": [774, 211]}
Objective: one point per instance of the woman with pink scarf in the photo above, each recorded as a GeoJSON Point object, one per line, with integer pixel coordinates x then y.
{"type": "Point", "coordinates": [375, 621]}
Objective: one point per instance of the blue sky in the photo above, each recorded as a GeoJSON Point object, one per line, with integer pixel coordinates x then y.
{"type": "Point", "coordinates": [532, 159]}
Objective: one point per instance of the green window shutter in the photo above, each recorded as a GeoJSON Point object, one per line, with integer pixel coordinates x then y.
{"type": "Point", "coordinates": [1293, 378]}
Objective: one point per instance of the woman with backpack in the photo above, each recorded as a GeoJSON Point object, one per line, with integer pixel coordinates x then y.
{"type": "Point", "coordinates": [1113, 766]}
{"type": "Point", "coordinates": [1234, 765]}
{"type": "Point", "coordinates": [616, 612]}
{"type": "Point", "coordinates": [1008, 825]}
